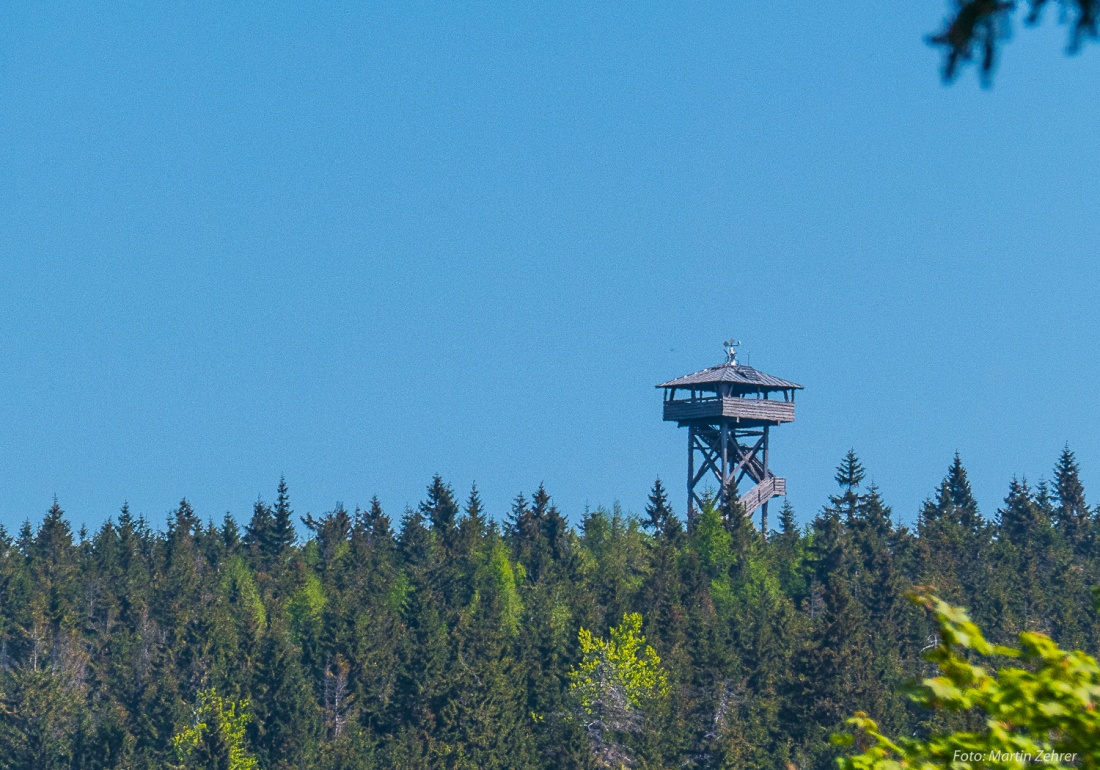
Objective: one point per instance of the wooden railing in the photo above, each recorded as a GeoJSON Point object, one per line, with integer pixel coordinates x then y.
{"type": "Point", "coordinates": [750, 409]}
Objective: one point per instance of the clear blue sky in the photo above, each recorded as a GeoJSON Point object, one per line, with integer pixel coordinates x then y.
{"type": "Point", "coordinates": [358, 244]}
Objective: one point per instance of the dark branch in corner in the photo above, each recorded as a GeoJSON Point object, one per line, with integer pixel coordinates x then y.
{"type": "Point", "coordinates": [977, 28]}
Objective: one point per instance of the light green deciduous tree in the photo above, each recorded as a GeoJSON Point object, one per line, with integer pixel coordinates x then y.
{"type": "Point", "coordinates": [617, 684]}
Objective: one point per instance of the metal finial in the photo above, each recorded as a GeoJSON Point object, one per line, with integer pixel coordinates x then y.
{"type": "Point", "coordinates": [731, 346]}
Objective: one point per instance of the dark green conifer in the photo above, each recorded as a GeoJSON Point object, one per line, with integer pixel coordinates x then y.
{"type": "Point", "coordinates": [789, 549]}
{"type": "Point", "coordinates": [788, 525]}
{"type": "Point", "coordinates": [831, 673]}
{"type": "Point", "coordinates": [231, 533]}
{"type": "Point", "coordinates": [1021, 517]}
{"type": "Point", "coordinates": [552, 524]}
{"type": "Point", "coordinates": [377, 522]}
{"type": "Point", "coordinates": [537, 532]}
{"type": "Point", "coordinates": [1024, 561]}
{"type": "Point", "coordinates": [952, 551]}
{"type": "Point", "coordinates": [25, 539]}
{"type": "Point", "coordinates": [282, 535]}
{"type": "Point", "coordinates": [286, 719]}
{"type": "Point", "coordinates": [333, 533]}
{"type": "Point", "coordinates": [849, 475]}
{"type": "Point", "coordinates": [441, 509]}
{"type": "Point", "coordinates": [658, 511]}
{"type": "Point", "coordinates": [473, 527]}
{"type": "Point", "coordinates": [519, 526]}
{"type": "Point", "coordinates": [183, 524]}
{"type": "Point", "coordinates": [55, 569]}
{"type": "Point", "coordinates": [258, 533]}
{"type": "Point", "coordinates": [1072, 514]}
{"type": "Point", "coordinates": [962, 499]}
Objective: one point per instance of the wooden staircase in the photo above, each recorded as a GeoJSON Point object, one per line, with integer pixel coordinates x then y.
{"type": "Point", "coordinates": [771, 486]}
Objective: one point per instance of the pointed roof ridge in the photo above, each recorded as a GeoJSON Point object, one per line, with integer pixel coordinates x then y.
{"type": "Point", "coordinates": [740, 374]}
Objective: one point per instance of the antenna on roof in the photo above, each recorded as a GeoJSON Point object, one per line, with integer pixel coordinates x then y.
{"type": "Point", "coordinates": [731, 346]}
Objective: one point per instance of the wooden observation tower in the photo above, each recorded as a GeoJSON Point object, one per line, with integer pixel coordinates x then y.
{"type": "Point", "coordinates": [728, 410]}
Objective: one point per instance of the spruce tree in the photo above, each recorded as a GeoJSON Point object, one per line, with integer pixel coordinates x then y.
{"type": "Point", "coordinates": [1021, 518]}
{"type": "Point", "coordinates": [55, 569]}
{"type": "Point", "coordinates": [1024, 560]}
{"type": "Point", "coordinates": [231, 533]}
{"type": "Point", "coordinates": [552, 525]}
{"type": "Point", "coordinates": [25, 539]}
{"type": "Point", "coordinates": [657, 510]}
{"type": "Point", "coordinates": [849, 475]}
{"type": "Point", "coordinates": [538, 534]}
{"type": "Point", "coordinates": [953, 548]}
{"type": "Point", "coordinates": [788, 525]}
{"type": "Point", "coordinates": [258, 534]}
{"type": "Point", "coordinates": [1072, 514]}
{"type": "Point", "coordinates": [831, 673]}
{"type": "Point", "coordinates": [962, 499]}
{"type": "Point", "coordinates": [788, 548]}
{"type": "Point", "coordinates": [281, 533]}
{"type": "Point", "coordinates": [475, 519]}
{"type": "Point", "coordinates": [469, 542]}
{"type": "Point", "coordinates": [377, 523]}
{"type": "Point", "coordinates": [425, 653]}
{"type": "Point", "coordinates": [286, 719]}
{"type": "Point", "coordinates": [333, 532]}
{"type": "Point", "coordinates": [441, 509]}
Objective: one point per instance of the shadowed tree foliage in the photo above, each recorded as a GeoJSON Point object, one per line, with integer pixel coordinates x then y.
{"type": "Point", "coordinates": [1041, 711]}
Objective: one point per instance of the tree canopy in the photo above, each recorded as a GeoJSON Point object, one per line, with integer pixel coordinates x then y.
{"type": "Point", "coordinates": [455, 639]}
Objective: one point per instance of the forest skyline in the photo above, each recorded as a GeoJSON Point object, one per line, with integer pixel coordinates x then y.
{"type": "Point", "coordinates": [442, 639]}
{"type": "Point", "coordinates": [802, 518]}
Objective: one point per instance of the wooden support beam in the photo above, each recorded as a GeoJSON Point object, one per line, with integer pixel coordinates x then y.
{"type": "Point", "coordinates": [764, 507]}
{"type": "Point", "coordinates": [691, 471]}
{"type": "Point", "coordinates": [746, 457]}
{"type": "Point", "coordinates": [722, 455]}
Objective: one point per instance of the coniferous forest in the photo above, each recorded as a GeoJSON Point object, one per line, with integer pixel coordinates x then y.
{"type": "Point", "coordinates": [443, 637]}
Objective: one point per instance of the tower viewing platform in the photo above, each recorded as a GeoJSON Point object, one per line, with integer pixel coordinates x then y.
{"type": "Point", "coordinates": [729, 410]}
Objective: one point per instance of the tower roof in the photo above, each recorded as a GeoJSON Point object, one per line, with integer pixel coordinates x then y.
{"type": "Point", "coordinates": [733, 372]}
